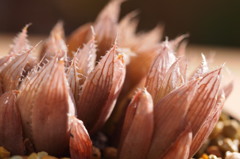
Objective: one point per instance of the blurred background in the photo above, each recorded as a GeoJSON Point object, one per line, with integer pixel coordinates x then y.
{"type": "Point", "coordinates": [209, 22]}
{"type": "Point", "coordinates": [214, 27]}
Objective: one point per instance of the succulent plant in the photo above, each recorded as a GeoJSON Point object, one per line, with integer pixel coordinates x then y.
{"type": "Point", "coordinates": [139, 86]}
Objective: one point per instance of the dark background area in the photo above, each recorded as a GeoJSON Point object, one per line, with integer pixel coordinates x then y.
{"type": "Point", "coordinates": [209, 22]}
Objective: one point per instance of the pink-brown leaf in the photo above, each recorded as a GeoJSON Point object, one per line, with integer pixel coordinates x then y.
{"type": "Point", "coordinates": [205, 99]}
{"type": "Point", "coordinates": [202, 69]}
{"type": "Point", "coordinates": [55, 45]}
{"type": "Point", "coordinates": [82, 64]}
{"type": "Point", "coordinates": [12, 74]}
{"type": "Point", "coordinates": [78, 38]}
{"type": "Point", "coordinates": [101, 90]}
{"type": "Point", "coordinates": [127, 29]}
{"type": "Point", "coordinates": [181, 147]}
{"type": "Point", "coordinates": [106, 26]}
{"type": "Point", "coordinates": [80, 142]}
{"type": "Point", "coordinates": [20, 43]}
{"type": "Point", "coordinates": [138, 127]}
{"type": "Point", "coordinates": [87, 57]}
{"type": "Point", "coordinates": [44, 103]}
{"type": "Point", "coordinates": [170, 118]}
{"type": "Point", "coordinates": [158, 71]}
{"type": "Point", "coordinates": [11, 134]}
{"type": "Point", "coordinates": [176, 43]}
{"type": "Point", "coordinates": [208, 125]}
{"type": "Point", "coordinates": [149, 39]}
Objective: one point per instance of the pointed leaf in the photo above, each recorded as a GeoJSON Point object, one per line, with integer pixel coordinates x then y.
{"type": "Point", "coordinates": [138, 70]}
{"type": "Point", "coordinates": [80, 142]}
{"type": "Point", "coordinates": [170, 118]}
{"type": "Point", "coordinates": [106, 26]}
{"type": "Point", "coordinates": [158, 71]}
{"type": "Point", "coordinates": [208, 125]}
{"type": "Point", "coordinates": [138, 127]}
{"type": "Point", "coordinates": [78, 38]}
{"type": "Point", "coordinates": [82, 64]}
{"type": "Point", "coordinates": [5, 60]}
{"type": "Point", "coordinates": [11, 135]}
{"type": "Point", "coordinates": [137, 42]}
{"type": "Point", "coordinates": [202, 69]}
{"type": "Point", "coordinates": [115, 122]}
{"type": "Point", "coordinates": [127, 30]}
{"type": "Point", "coordinates": [172, 80]}
{"type": "Point", "coordinates": [55, 45]}
{"type": "Point", "coordinates": [181, 147]}
{"type": "Point", "coordinates": [131, 111]}
{"type": "Point", "coordinates": [20, 43]}
{"type": "Point", "coordinates": [12, 73]}
{"type": "Point", "coordinates": [87, 57]}
{"type": "Point", "coordinates": [44, 102]}
{"type": "Point", "coordinates": [205, 99]}
{"type": "Point", "coordinates": [181, 51]}
{"type": "Point", "coordinates": [74, 78]}
{"type": "Point", "coordinates": [174, 44]}
{"type": "Point", "coordinates": [101, 90]}
{"type": "Point", "coordinates": [150, 38]}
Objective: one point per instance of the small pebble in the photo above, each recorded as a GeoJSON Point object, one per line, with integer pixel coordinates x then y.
{"type": "Point", "coordinates": [4, 153]}
{"type": "Point", "coordinates": [96, 154]}
{"type": "Point", "coordinates": [230, 128]}
{"type": "Point", "coordinates": [214, 150]}
{"type": "Point", "coordinates": [49, 157]}
{"type": "Point", "coordinates": [217, 130]}
{"type": "Point", "coordinates": [33, 156]}
{"type": "Point", "coordinates": [204, 156]}
{"type": "Point", "coordinates": [232, 155]}
{"type": "Point", "coordinates": [212, 157]}
{"type": "Point", "coordinates": [42, 154]}
{"type": "Point", "coordinates": [216, 141]}
{"type": "Point", "coordinates": [110, 153]}
{"type": "Point", "coordinates": [16, 157]}
{"type": "Point", "coordinates": [223, 140]}
{"type": "Point", "coordinates": [224, 117]}
{"type": "Point", "coordinates": [203, 148]}
{"type": "Point", "coordinates": [228, 145]}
